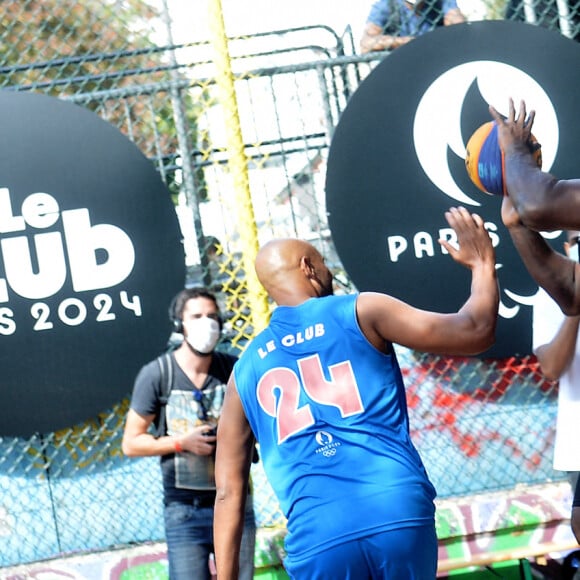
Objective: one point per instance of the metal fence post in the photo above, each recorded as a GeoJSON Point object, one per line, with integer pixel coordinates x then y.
{"type": "Point", "coordinates": [238, 164]}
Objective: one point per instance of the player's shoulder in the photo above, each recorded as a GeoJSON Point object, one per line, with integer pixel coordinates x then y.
{"type": "Point", "coordinates": [150, 372]}
{"type": "Point", "coordinates": [152, 367]}
{"type": "Point", "coordinates": [373, 304]}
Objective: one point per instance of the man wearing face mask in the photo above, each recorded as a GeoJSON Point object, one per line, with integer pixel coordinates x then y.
{"type": "Point", "coordinates": [181, 394]}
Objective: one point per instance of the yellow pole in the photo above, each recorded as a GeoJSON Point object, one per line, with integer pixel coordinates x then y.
{"type": "Point", "coordinates": [238, 165]}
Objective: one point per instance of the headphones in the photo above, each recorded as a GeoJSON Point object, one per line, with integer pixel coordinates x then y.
{"type": "Point", "coordinates": [176, 322]}
{"type": "Point", "coordinates": [179, 300]}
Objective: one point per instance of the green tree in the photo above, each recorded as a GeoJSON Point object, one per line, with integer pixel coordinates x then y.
{"type": "Point", "coordinates": [495, 9]}
{"type": "Point", "coordinates": [102, 54]}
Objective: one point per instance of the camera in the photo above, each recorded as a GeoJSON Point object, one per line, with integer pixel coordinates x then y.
{"type": "Point", "coordinates": [210, 433]}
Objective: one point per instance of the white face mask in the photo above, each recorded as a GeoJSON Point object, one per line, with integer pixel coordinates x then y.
{"type": "Point", "coordinates": [573, 252]}
{"type": "Point", "coordinates": [202, 334]}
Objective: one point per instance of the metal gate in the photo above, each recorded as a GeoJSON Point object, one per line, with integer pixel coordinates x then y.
{"type": "Point", "coordinates": [479, 425]}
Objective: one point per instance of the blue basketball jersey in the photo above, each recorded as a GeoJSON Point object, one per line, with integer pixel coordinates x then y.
{"type": "Point", "coordinates": [330, 414]}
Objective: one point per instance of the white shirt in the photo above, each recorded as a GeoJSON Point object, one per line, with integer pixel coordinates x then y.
{"type": "Point", "coordinates": [547, 319]}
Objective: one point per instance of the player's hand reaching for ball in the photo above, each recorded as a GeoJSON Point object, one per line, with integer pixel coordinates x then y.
{"type": "Point", "coordinates": [514, 133]}
{"type": "Point", "coordinates": [475, 247]}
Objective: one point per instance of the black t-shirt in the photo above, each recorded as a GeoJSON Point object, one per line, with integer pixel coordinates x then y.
{"type": "Point", "coordinates": [147, 400]}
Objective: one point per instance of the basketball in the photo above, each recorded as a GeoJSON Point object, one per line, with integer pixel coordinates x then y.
{"type": "Point", "coordinates": [484, 159]}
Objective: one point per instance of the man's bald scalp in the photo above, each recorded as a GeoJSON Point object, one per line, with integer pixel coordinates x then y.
{"type": "Point", "coordinates": [280, 256]}
{"type": "Point", "coordinates": [278, 265]}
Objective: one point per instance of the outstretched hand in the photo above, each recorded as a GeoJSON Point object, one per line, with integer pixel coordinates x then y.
{"type": "Point", "coordinates": [475, 245]}
{"type": "Point", "coordinates": [512, 132]}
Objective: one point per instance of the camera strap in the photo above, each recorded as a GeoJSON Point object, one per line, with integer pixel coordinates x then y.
{"type": "Point", "coordinates": [166, 371]}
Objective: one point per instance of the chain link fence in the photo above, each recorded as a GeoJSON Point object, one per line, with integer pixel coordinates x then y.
{"type": "Point", "coordinates": [479, 425]}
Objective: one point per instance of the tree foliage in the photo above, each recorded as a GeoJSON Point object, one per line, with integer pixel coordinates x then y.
{"type": "Point", "coordinates": [102, 54]}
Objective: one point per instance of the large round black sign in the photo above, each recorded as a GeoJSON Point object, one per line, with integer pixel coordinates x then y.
{"type": "Point", "coordinates": [396, 162]}
{"type": "Point", "coordinates": [90, 257]}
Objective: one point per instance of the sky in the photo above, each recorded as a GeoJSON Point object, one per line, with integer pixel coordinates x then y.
{"type": "Point", "coordinates": [190, 17]}
{"type": "Point", "coordinates": [190, 23]}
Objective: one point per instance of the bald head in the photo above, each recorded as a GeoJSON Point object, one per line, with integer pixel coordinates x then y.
{"type": "Point", "coordinates": [292, 271]}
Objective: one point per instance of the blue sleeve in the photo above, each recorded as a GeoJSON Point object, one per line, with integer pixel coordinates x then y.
{"type": "Point", "coordinates": [379, 13]}
{"type": "Point", "coordinates": [449, 5]}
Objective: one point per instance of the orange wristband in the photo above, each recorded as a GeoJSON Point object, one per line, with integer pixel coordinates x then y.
{"type": "Point", "coordinates": [177, 446]}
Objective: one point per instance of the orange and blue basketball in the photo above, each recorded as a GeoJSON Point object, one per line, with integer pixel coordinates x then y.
{"type": "Point", "coordinates": [484, 159]}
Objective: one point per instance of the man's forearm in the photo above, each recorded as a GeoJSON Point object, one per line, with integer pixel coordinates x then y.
{"type": "Point", "coordinates": [377, 42]}
{"type": "Point", "coordinates": [228, 529]}
{"type": "Point", "coordinates": [552, 271]}
{"type": "Point", "coordinates": [530, 190]}
{"type": "Point", "coordinates": [542, 201]}
{"type": "Point", "coordinates": [481, 309]}
{"type": "Point", "coordinates": [146, 445]}
{"type": "Point", "coordinates": [453, 16]}
{"type": "Point", "coordinates": [556, 356]}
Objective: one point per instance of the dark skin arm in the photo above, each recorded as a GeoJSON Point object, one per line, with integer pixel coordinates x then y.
{"type": "Point", "coordinates": [234, 454]}
{"type": "Point", "coordinates": [468, 331]}
{"type": "Point", "coordinates": [554, 272]}
{"type": "Point", "coordinates": [557, 355]}
{"type": "Point", "coordinates": [542, 201]}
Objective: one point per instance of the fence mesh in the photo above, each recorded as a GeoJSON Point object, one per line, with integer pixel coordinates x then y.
{"type": "Point", "coordinates": [479, 425]}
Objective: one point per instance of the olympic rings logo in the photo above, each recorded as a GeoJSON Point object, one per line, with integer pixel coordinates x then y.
{"type": "Point", "coordinates": [329, 452]}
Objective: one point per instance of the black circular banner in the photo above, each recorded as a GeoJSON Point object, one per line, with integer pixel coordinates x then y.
{"type": "Point", "coordinates": [396, 162]}
{"type": "Point", "coordinates": [90, 256]}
